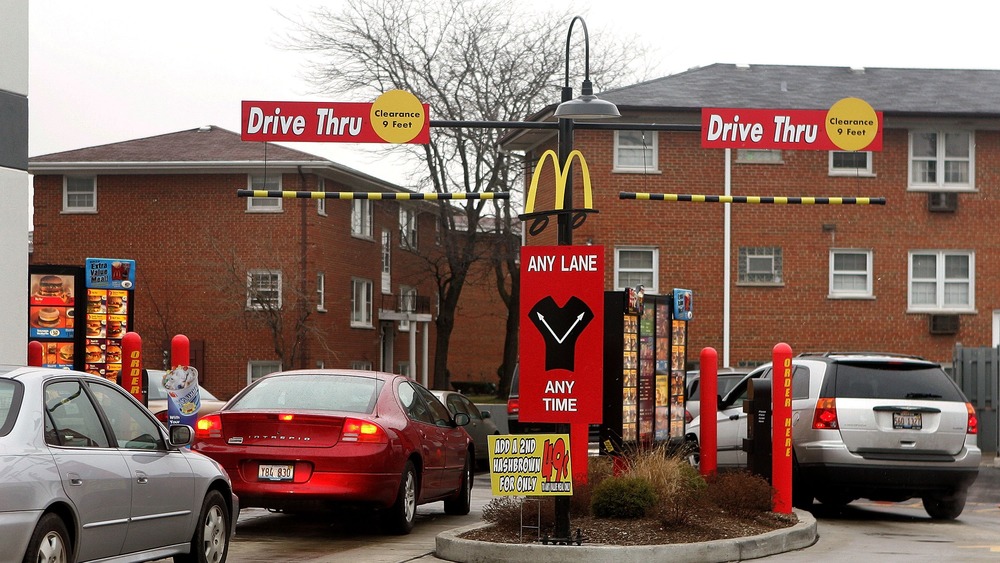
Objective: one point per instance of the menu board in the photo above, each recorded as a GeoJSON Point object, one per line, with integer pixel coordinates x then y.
{"type": "Point", "coordinates": [677, 375]}
{"type": "Point", "coordinates": [662, 428]}
{"type": "Point", "coordinates": [647, 372]}
{"type": "Point", "coordinates": [630, 366]}
{"type": "Point", "coordinates": [52, 316]}
{"type": "Point", "coordinates": [106, 324]}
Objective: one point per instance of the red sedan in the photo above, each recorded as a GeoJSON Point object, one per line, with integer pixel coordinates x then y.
{"type": "Point", "coordinates": [316, 439]}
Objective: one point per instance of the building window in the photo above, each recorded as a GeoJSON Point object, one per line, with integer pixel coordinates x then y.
{"type": "Point", "coordinates": [386, 261]}
{"type": "Point", "coordinates": [361, 218]}
{"type": "Point", "coordinates": [759, 156]}
{"type": "Point", "coordinates": [321, 292]}
{"type": "Point", "coordinates": [263, 290]}
{"type": "Point", "coordinates": [760, 265]}
{"type": "Point", "coordinates": [407, 228]}
{"type": "Point", "coordinates": [850, 273]}
{"type": "Point", "coordinates": [637, 266]}
{"type": "Point", "coordinates": [361, 303]}
{"type": "Point", "coordinates": [361, 364]}
{"type": "Point", "coordinates": [258, 369]}
{"type": "Point", "coordinates": [80, 194]}
{"type": "Point", "coordinates": [942, 281]}
{"type": "Point", "coordinates": [407, 304]}
{"type": "Point", "coordinates": [942, 160]}
{"type": "Point", "coordinates": [321, 203]}
{"type": "Point", "coordinates": [403, 368]}
{"type": "Point", "coordinates": [636, 151]}
{"type": "Point", "coordinates": [851, 163]}
{"type": "Point", "coordinates": [264, 204]}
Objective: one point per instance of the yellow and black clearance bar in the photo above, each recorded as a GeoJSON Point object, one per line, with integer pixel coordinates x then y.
{"type": "Point", "coordinates": [778, 200]}
{"type": "Point", "coordinates": [371, 195]}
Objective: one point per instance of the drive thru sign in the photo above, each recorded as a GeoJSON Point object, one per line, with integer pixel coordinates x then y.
{"type": "Point", "coordinates": [562, 333]}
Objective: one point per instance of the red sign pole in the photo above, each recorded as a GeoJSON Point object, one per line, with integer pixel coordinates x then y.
{"type": "Point", "coordinates": [708, 381]}
{"type": "Point", "coordinates": [180, 351]}
{"type": "Point", "coordinates": [781, 427]}
{"type": "Point", "coordinates": [131, 373]}
{"type": "Point", "coordinates": [35, 353]}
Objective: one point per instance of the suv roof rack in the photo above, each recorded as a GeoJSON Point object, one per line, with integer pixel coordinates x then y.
{"type": "Point", "coordinates": [886, 354]}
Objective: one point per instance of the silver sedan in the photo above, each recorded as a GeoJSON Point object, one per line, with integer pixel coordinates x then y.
{"type": "Point", "coordinates": [87, 473]}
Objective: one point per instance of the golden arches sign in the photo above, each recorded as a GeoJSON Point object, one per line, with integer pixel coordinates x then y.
{"type": "Point", "coordinates": [562, 176]}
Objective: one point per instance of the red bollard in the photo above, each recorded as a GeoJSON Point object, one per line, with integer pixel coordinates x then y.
{"type": "Point", "coordinates": [180, 351]}
{"type": "Point", "coordinates": [131, 373]}
{"type": "Point", "coordinates": [781, 427]}
{"type": "Point", "coordinates": [35, 353]}
{"type": "Point", "coordinates": [708, 382]}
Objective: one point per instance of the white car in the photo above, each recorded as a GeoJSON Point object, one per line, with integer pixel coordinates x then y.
{"type": "Point", "coordinates": [867, 425]}
{"type": "Point", "coordinates": [87, 473]}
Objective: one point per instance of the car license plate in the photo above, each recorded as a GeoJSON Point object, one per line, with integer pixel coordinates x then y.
{"type": "Point", "coordinates": [276, 472]}
{"type": "Point", "coordinates": [907, 420]}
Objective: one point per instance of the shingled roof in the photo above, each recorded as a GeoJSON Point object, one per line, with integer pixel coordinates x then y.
{"type": "Point", "coordinates": [205, 144]}
{"type": "Point", "coordinates": [889, 90]}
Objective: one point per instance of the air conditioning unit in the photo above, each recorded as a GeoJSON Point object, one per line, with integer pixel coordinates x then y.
{"type": "Point", "coordinates": [942, 202]}
{"type": "Point", "coordinates": [944, 324]}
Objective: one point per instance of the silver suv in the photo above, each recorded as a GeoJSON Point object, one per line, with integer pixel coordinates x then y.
{"type": "Point", "coordinates": [868, 425]}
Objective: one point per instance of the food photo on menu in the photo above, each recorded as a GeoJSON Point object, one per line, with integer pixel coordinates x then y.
{"type": "Point", "coordinates": [51, 289]}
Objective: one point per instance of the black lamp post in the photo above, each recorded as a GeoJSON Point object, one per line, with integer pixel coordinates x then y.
{"type": "Point", "coordinates": [586, 107]}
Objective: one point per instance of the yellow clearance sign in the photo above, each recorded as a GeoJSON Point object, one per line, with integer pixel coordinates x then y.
{"type": "Point", "coordinates": [530, 465]}
{"type": "Point", "coordinates": [561, 174]}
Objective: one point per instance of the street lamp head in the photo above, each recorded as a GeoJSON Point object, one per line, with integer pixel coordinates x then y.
{"type": "Point", "coordinates": [587, 106]}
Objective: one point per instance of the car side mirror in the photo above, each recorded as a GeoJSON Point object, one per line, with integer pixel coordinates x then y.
{"type": "Point", "coordinates": [461, 419]}
{"type": "Point", "coordinates": [181, 435]}
{"type": "Point", "coordinates": [485, 414]}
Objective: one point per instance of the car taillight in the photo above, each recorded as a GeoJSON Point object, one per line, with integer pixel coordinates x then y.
{"type": "Point", "coordinates": [687, 416]}
{"type": "Point", "coordinates": [973, 427]}
{"type": "Point", "coordinates": [825, 417]}
{"type": "Point", "coordinates": [512, 406]}
{"type": "Point", "coordinates": [163, 417]}
{"type": "Point", "coordinates": [209, 426]}
{"type": "Point", "coordinates": [364, 431]}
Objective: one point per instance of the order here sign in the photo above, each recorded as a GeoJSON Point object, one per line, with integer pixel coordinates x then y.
{"type": "Point", "coordinates": [562, 334]}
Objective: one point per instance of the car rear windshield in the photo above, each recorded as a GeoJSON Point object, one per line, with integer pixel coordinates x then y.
{"type": "Point", "coordinates": [895, 381]}
{"type": "Point", "coordinates": [323, 392]}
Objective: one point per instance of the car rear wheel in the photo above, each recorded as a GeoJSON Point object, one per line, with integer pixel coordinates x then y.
{"type": "Point", "coordinates": [945, 507]}
{"type": "Point", "coordinates": [401, 515]}
{"type": "Point", "coordinates": [210, 543]}
{"type": "Point", "coordinates": [461, 503]}
{"type": "Point", "coordinates": [49, 542]}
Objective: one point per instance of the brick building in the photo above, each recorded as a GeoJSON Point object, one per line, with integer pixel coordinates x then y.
{"type": "Point", "coordinates": [916, 276]}
{"type": "Point", "coordinates": [256, 284]}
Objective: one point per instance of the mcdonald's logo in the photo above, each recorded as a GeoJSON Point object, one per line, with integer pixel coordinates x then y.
{"type": "Point", "coordinates": [562, 175]}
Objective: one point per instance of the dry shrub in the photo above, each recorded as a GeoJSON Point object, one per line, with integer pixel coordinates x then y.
{"type": "Point", "coordinates": [741, 493]}
{"type": "Point", "coordinates": [511, 513]}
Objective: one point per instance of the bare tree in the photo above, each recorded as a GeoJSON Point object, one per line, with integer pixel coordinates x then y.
{"type": "Point", "coordinates": [470, 60]}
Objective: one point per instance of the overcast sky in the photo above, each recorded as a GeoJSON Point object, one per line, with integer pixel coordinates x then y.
{"type": "Point", "coordinates": [104, 71]}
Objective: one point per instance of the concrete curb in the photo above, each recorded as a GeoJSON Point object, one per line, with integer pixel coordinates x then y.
{"type": "Point", "coordinates": [450, 547]}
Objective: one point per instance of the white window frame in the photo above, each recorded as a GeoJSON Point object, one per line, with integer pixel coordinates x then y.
{"type": "Point", "coordinates": [648, 147]}
{"type": "Point", "coordinates": [835, 274]}
{"type": "Point", "coordinates": [653, 270]}
{"type": "Point", "coordinates": [759, 156]}
{"type": "Point", "coordinates": [940, 160]}
{"type": "Point", "coordinates": [256, 280]}
{"type": "Point", "coordinates": [407, 304]}
{"type": "Point", "coordinates": [321, 202]}
{"type": "Point", "coordinates": [264, 204]}
{"type": "Point", "coordinates": [364, 365]}
{"type": "Point", "coordinates": [362, 217]}
{"type": "Point", "coordinates": [321, 292]}
{"type": "Point", "coordinates": [257, 369]}
{"type": "Point", "coordinates": [941, 282]}
{"type": "Point", "coordinates": [386, 261]}
{"type": "Point", "coordinates": [756, 256]}
{"type": "Point", "coordinates": [404, 368]}
{"type": "Point", "coordinates": [361, 303]}
{"type": "Point", "coordinates": [73, 193]}
{"type": "Point", "coordinates": [851, 171]}
{"type": "Point", "coordinates": [407, 228]}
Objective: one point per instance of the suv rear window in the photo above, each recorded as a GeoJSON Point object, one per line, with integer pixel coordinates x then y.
{"type": "Point", "coordinates": [894, 381]}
